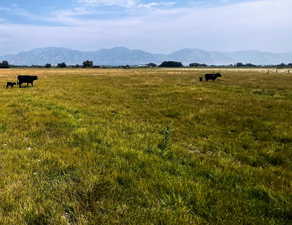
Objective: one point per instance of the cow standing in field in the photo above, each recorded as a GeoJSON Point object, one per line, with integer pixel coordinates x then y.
{"type": "Point", "coordinates": [28, 79]}
{"type": "Point", "coordinates": [212, 76]}
{"type": "Point", "coordinates": [10, 84]}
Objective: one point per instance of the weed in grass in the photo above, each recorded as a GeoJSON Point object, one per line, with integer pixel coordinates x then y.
{"type": "Point", "coordinates": [165, 144]}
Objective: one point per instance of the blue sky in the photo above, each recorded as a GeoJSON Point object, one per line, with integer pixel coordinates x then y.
{"type": "Point", "coordinates": [153, 25]}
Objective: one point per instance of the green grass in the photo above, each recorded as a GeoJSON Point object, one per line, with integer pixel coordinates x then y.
{"type": "Point", "coordinates": [146, 147]}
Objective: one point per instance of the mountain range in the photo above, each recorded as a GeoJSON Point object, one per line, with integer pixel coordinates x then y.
{"type": "Point", "coordinates": [124, 56]}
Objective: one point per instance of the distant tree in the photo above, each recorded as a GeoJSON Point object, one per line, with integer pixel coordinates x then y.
{"type": "Point", "coordinates": [151, 65]}
{"type": "Point", "coordinates": [4, 64]}
{"type": "Point", "coordinates": [126, 67]}
{"type": "Point", "coordinates": [172, 64]}
{"type": "Point", "coordinates": [250, 65]}
{"type": "Point", "coordinates": [48, 65]}
{"type": "Point", "coordinates": [282, 65]}
{"type": "Point", "coordinates": [197, 65]}
{"type": "Point", "coordinates": [239, 65]}
{"type": "Point", "coordinates": [62, 65]}
{"type": "Point", "coordinates": [87, 64]}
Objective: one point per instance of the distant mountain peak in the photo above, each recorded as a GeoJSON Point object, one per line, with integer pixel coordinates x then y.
{"type": "Point", "coordinates": [120, 48]}
{"type": "Point", "coordinates": [122, 56]}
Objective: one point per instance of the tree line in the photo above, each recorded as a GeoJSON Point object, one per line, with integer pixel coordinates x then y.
{"type": "Point", "coordinates": [85, 64]}
{"type": "Point", "coordinates": [165, 64]}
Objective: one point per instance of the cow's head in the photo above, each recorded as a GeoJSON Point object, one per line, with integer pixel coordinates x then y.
{"type": "Point", "coordinates": [218, 75]}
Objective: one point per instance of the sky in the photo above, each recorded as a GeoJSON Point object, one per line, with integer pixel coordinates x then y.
{"type": "Point", "coordinates": [159, 26]}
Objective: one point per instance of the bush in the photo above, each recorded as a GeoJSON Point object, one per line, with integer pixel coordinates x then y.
{"type": "Point", "coordinates": [87, 64]}
{"type": "Point", "coordinates": [4, 64]}
{"type": "Point", "coordinates": [171, 64]}
{"type": "Point", "coordinates": [151, 65]}
{"type": "Point", "coordinates": [197, 65]}
{"type": "Point", "coordinates": [62, 65]}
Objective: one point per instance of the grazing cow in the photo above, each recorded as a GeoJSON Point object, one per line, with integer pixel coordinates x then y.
{"type": "Point", "coordinates": [28, 79]}
{"type": "Point", "coordinates": [201, 79]}
{"type": "Point", "coordinates": [212, 76]}
{"type": "Point", "coordinates": [10, 84]}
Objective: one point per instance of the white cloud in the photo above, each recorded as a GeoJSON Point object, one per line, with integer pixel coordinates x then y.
{"type": "Point", "coordinates": [126, 3]}
{"type": "Point", "coordinates": [122, 3]}
{"type": "Point", "coordinates": [261, 24]}
{"type": "Point", "coordinates": [15, 10]}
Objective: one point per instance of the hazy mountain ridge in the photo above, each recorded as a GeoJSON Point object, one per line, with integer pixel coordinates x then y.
{"type": "Point", "coordinates": [123, 56]}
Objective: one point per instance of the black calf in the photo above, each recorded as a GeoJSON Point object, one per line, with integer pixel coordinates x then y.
{"type": "Point", "coordinates": [10, 84]}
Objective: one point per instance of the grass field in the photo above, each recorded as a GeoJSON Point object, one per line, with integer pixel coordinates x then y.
{"type": "Point", "coordinates": [146, 147]}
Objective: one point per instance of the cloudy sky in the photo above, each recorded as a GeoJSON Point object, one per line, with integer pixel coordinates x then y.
{"type": "Point", "coordinates": [152, 25]}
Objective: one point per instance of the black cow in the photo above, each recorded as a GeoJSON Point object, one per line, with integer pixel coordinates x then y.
{"type": "Point", "coordinates": [10, 84]}
{"type": "Point", "coordinates": [28, 79]}
{"type": "Point", "coordinates": [212, 76]}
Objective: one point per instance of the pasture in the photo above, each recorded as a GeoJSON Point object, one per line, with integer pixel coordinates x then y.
{"type": "Point", "coordinates": [147, 147]}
